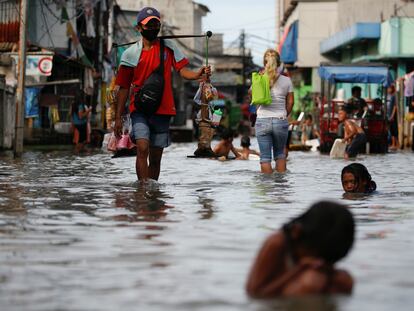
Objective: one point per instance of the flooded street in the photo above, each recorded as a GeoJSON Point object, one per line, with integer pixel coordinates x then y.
{"type": "Point", "coordinates": [78, 233]}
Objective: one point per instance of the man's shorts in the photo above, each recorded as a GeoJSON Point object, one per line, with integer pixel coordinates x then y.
{"type": "Point", "coordinates": [356, 144]}
{"type": "Point", "coordinates": [154, 128]}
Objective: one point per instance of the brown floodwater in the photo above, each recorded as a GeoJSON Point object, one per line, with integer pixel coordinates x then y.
{"type": "Point", "coordinates": [79, 233]}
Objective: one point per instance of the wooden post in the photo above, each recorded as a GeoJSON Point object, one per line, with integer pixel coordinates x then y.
{"type": "Point", "coordinates": [21, 67]}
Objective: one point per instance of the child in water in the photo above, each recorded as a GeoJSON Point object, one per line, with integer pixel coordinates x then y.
{"type": "Point", "coordinates": [356, 178]}
{"type": "Point", "coordinates": [245, 150]}
{"type": "Point", "coordinates": [299, 259]}
{"type": "Point", "coordinates": [223, 148]}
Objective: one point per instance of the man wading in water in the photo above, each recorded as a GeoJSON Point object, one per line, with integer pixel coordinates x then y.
{"type": "Point", "coordinates": [150, 132]}
{"type": "Point", "coordinates": [354, 135]}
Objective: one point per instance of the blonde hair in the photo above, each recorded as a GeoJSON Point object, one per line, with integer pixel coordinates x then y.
{"type": "Point", "coordinates": [271, 61]}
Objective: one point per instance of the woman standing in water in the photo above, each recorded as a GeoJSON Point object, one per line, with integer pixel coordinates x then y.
{"type": "Point", "coordinates": [272, 124]}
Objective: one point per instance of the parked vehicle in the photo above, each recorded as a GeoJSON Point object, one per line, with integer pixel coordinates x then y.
{"type": "Point", "coordinates": [374, 121]}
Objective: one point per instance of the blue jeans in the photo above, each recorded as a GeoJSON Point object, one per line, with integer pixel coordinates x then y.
{"type": "Point", "coordinates": [154, 128]}
{"type": "Point", "coordinates": [272, 134]}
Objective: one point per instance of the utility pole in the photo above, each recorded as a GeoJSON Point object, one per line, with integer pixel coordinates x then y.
{"type": "Point", "coordinates": [243, 53]}
{"type": "Point", "coordinates": [21, 68]}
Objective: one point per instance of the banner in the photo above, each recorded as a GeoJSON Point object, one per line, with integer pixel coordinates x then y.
{"type": "Point", "coordinates": [38, 65]}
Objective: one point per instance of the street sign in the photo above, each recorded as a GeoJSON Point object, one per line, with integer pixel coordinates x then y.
{"type": "Point", "coordinates": [38, 65]}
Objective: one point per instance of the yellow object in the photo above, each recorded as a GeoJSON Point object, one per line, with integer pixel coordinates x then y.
{"type": "Point", "coordinates": [55, 114]}
{"type": "Point", "coordinates": [410, 116]}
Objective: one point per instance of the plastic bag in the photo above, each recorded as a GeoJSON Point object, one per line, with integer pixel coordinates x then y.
{"type": "Point", "coordinates": [197, 96]}
{"type": "Point", "coordinates": [210, 93]}
{"type": "Point", "coordinates": [125, 142]}
{"type": "Point", "coordinates": [112, 143]}
{"type": "Point", "coordinates": [261, 89]}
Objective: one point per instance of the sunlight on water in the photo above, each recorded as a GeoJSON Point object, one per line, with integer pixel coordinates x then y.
{"type": "Point", "coordinates": [79, 233]}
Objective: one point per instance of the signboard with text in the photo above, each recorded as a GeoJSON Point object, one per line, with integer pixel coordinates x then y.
{"type": "Point", "coordinates": [38, 65]}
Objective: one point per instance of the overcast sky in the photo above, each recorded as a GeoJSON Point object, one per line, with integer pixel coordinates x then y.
{"type": "Point", "coordinates": [256, 17]}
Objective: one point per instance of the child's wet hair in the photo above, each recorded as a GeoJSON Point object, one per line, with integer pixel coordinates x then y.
{"type": "Point", "coordinates": [359, 171]}
{"type": "Point", "coordinates": [227, 134]}
{"type": "Point", "coordinates": [327, 230]}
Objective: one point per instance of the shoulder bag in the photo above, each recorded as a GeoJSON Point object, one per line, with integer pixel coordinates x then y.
{"type": "Point", "coordinates": [148, 98]}
{"type": "Point", "coordinates": [260, 89]}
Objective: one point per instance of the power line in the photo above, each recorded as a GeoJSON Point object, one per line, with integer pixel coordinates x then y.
{"type": "Point", "coordinates": [244, 25]}
{"type": "Point", "coordinates": [261, 38]}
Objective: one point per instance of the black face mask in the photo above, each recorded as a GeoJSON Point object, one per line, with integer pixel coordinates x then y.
{"type": "Point", "coordinates": [150, 34]}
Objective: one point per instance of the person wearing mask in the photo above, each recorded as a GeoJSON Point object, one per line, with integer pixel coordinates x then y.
{"type": "Point", "coordinates": [138, 62]}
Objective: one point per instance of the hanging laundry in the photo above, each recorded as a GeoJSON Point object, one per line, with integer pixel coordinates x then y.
{"type": "Point", "coordinates": [74, 37]}
{"type": "Point", "coordinates": [88, 88]}
{"type": "Point", "coordinates": [88, 11]}
{"type": "Point", "coordinates": [53, 114]}
{"type": "Point", "coordinates": [409, 85]}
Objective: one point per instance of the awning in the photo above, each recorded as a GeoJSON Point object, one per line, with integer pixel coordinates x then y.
{"type": "Point", "coordinates": [288, 47]}
{"type": "Point", "coordinates": [358, 31]}
{"type": "Point", "coordinates": [356, 74]}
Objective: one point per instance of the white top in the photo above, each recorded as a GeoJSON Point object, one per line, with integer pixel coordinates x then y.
{"type": "Point", "coordinates": [278, 92]}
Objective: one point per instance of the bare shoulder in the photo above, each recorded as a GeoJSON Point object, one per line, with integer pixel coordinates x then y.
{"type": "Point", "coordinates": [342, 282]}
{"type": "Point", "coordinates": [276, 240]}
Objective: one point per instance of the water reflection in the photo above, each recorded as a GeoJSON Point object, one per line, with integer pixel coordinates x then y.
{"type": "Point", "coordinates": [312, 303]}
{"type": "Point", "coordinates": [81, 228]}
{"type": "Point", "coordinates": [145, 204]}
{"type": "Point", "coordinates": [207, 204]}
{"type": "Point", "coordinates": [273, 189]}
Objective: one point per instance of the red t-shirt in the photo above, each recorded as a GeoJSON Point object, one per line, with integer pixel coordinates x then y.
{"type": "Point", "coordinates": [148, 62]}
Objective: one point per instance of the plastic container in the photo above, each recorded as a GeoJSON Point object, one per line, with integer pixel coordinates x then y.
{"type": "Point", "coordinates": [216, 117]}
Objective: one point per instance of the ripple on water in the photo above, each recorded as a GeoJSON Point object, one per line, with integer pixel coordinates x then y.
{"type": "Point", "coordinates": [79, 232]}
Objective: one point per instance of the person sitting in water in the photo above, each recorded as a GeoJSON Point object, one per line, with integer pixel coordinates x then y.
{"type": "Point", "coordinates": [309, 130]}
{"type": "Point", "coordinates": [299, 259]}
{"type": "Point", "coordinates": [354, 135]}
{"type": "Point", "coordinates": [356, 105]}
{"type": "Point", "coordinates": [356, 178]}
{"type": "Point", "coordinates": [223, 148]}
{"type": "Point", "coordinates": [245, 151]}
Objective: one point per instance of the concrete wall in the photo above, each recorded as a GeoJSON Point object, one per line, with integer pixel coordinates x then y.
{"type": "Point", "coordinates": [353, 11]}
{"type": "Point", "coordinates": [317, 21]}
{"type": "Point", "coordinates": [397, 37]}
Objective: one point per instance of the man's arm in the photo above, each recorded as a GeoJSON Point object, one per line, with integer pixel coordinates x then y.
{"type": "Point", "coordinates": [194, 75]}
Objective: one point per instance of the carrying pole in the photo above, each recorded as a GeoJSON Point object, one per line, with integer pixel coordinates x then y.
{"type": "Point", "coordinates": [21, 67]}
{"type": "Point", "coordinates": [208, 34]}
